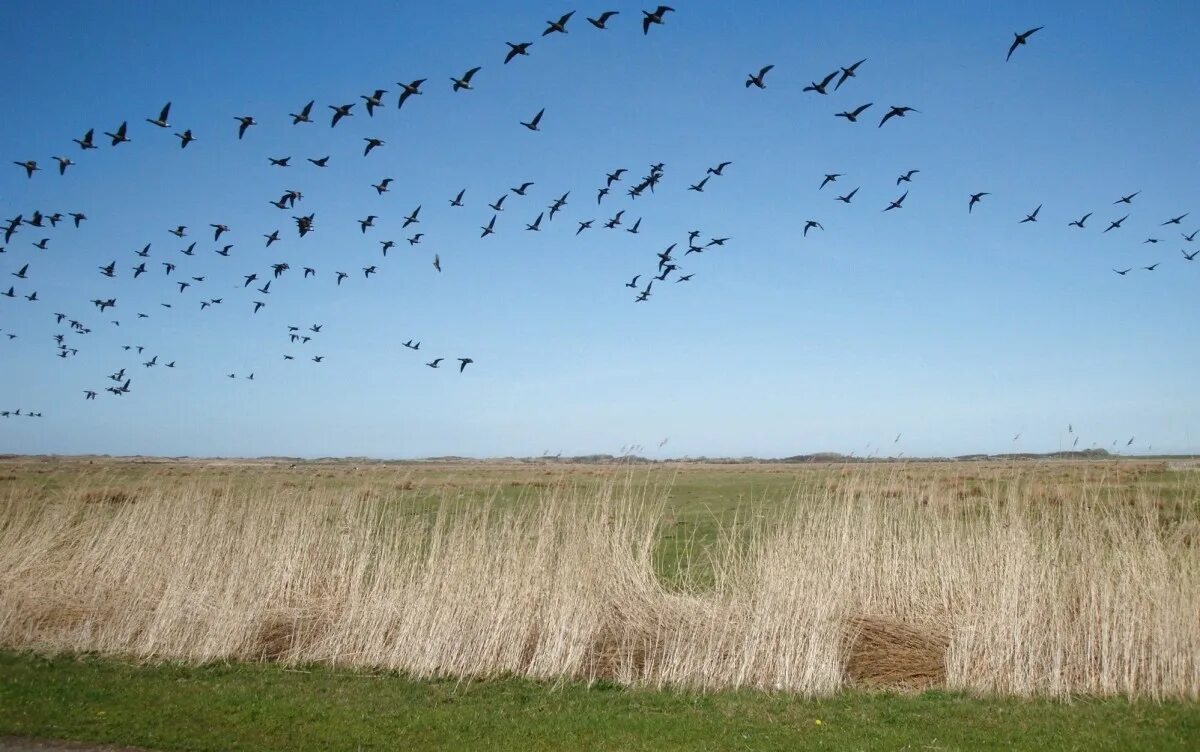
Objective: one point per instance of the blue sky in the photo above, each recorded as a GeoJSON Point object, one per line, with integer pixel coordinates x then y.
{"type": "Point", "coordinates": [957, 330]}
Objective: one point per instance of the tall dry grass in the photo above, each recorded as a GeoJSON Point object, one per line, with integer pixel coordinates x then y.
{"type": "Point", "coordinates": [873, 582]}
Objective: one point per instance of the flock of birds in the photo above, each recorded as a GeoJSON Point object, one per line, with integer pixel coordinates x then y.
{"type": "Point", "coordinates": [149, 263]}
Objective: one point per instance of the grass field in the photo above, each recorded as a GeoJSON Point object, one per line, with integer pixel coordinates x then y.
{"type": "Point", "coordinates": [1014, 605]}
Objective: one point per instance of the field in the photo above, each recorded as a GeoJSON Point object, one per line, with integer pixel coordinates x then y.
{"type": "Point", "coordinates": [547, 604]}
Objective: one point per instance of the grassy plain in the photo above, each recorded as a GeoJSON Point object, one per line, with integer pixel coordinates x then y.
{"type": "Point", "coordinates": [689, 606]}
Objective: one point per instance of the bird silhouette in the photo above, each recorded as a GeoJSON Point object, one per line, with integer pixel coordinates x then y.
{"type": "Point", "coordinates": [1126, 199]}
{"type": "Point", "coordinates": [831, 178]}
{"type": "Point", "coordinates": [656, 17]}
{"type": "Point", "coordinates": [1020, 39]}
{"type": "Point", "coordinates": [465, 81]}
{"type": "Point", "coordinates": [848, 73]}
{"type": "Point", "coordinates": [1116, 224]}
{"type": "Point", "coordinates": [407, 90]}
{"type": "Point", "coordinates": [1031, 217]}
{"type": "Point", "coordinates": [1079, 222]}
{"type": "Point", "coordinates": [896, 112]}
{"type": "Point", "coordinates": [852, 116]}
{"type": "Point", "coordinates": [600, 21]}
{"type": "Point", "coordinates": [820, 87]}
{"type": "Point", "coordinates": [898, 203]}
{"type": "Point", "coordinates": [244, 123]}
{"type": "Point", "coordinates": [906, 177]}
{"type": "Point", "coordinates": [975, 199]}
{"type": "Point", "coordinates": [559, 26]}
{"type": "Point", "coordinates": [340, 111]}
{"type": "Point", "coordinates": [533, 124]}
{"type": "Point", "coordinates": [757, 80]}
{"type": "Point", "coordinates": [161, 120]}
{"type": "Point", "coordinates": [521, 48]}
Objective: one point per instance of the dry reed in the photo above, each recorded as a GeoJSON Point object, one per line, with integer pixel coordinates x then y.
{"type": "Point", "coordinates": [870, 583]}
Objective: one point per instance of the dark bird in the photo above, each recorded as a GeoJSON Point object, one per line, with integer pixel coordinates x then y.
{"type": "Point", "coordinates": [437, 263]}
{"type": "Point", "coordinates": [719, 170]}
{"type": "Point", "coordinates": [615, 221]}
{"type": "Point", "coordinates": [1079, 222]}
{"type": "Point", "coordinates": [465, 81]}
{"type": "Point", "coordinates": [1174, 221]}
{"type": "Point", "coordinates": [387, 245]}
{"type": "Point", "coordinates": [520, 189]}
{"type": "Point", "coordinates": [896, 112]}
{"type": "Point", "coordinates": [408, 90]}
{"type": "Point", "coordinates": [536, 226]}
{"type": "Point", "coordinates": [304, 116]}
{"type": "Point", "coordinates": [852, 116]}
{"type": "Point", "coordinates": [416, 239]}
{"type": "Point", "coordinates": [533, 124]}
{"type": "Point", "coordinates": [463, 363]}
{"type": "Point", "coordinates": [1116, 224]}
{"type": "Point", "coordinates": [119, 137]}
{"type": "Point", "coordinates": [371, 144]}
{"type": "Point", "coordinates": [457, 200]}
{"type": "Point", "coordinates": [584, 226]}
{"type": "Point", "coordinates": [1189, 238]}
{"type": "Point", "coordinates": [1126, 199]}
{"type": "Point", "coordinates": [244, 122]}
{"type": "Point", "coordinates": [139, 270]}
{"type": "Point", "coordinates": [897, 203]}
{"type": "Point", "coordinates": [615, 176]}
{"type": "Point", "coordinates": [753, 80]}
{"type": "Point", "coordinates": [20, 273]}
{"type": "Point", "coordinates": [64, 163]}
{"type": "Point", "coordinates": [369, 221]}
{"type": "Point", "coordinates": [110, 270]}
{"type": "Point", "coordinates": [280, 162]}
{"type": "Point", "coordinates": [602, 19]}
{"type": "Point", "coordinates": [318, 358]}
{"type": "Point", "coordinates": [634, 229]}
{"type": "Point", "coordinates": [489, 228]}
{"type": "Point", "coordinates": [368, 271]}
{"type": "Point", "coordinates": [499, 205]}
{"type": "Point", "coordinates": [1031, 217]}
{"type": "Point", "coordinates": [373, 101]}
{"type": "Point", "coordinates": [161, 120]}
{"type": "Point", "coordinates": [560, 25]}
{"type": "Point", "coordinates": [339, 112]}
{"type": "Point", "coordinates": [218, 229]}
{"type": "Point", "coordinates": [340, 277]}
{"type": "Point", "coordinates": [846, 199]}
{"type": "Point", "coordinates": [820, 87]}
{"type": "Point", "coordinates": [382, 186]}
{"type": "Point", "coordinates": [274, 236]}
{"type": "Point", "coordinates": [975, 199]}
{"type": "Point", "coordinates": [906, 177]}
{"type": "Point", "coordinates": [633, 282]}
{"type": "Point", "coordinates": [848, 73]}
{"type": "Point", "coordinates": [831, 178]}
{"type": "Point", "coordinates": [434, 363]}
{"type": "Point", "coordinates": [319, 162]}
{"type": "Point", "coordinates": [185, 138]}
{"type": "Point", "coordinates": [654, 18]}
{"type": "Point", "coordinates": [722, 241]}
{"type": "Point", "coordinates": [685, 278]}
{"type": "Point", "coordinates": [808, 226]}
{"type": "Point", "coordinates": [30, 167]}
{"type": "Point", "coordinates": [1150, 268]}
{"type": "Point", "coordinates": [1123, 272]}
{"type": "Point", "coordinates": [521, 48]}
{"type": "Point", "coordinates": [600, 194]}
{"type": "Point", "coordinates": [86, 142]}
{"type": "Point", "coordinates": [1188, 256]}
{"type": "Point", "coordinates": [1020, 39]}
{"type": "Point", "coordinates": [698, 187]}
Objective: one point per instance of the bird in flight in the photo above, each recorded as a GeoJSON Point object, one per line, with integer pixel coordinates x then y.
{"type": "Point", "coordinates": [437, 263]}
{"type": "Point", "coordinates": [434, 363]}
{"type": "Point", "coordinates": [533, 124]}
{"type": "Point", "coordinates": [975, 199]}
{"type": "Point", "coordinates": [559, 26]}
{"type": "Point", "coordinates": [304, 115]}
{"type": "Point", "coordinates": [119, 137]}
{"type": "Point", "coordinates": [185, 138]}
{"type": "Point", "coordinates": [371, 144]}
{"type": "Point", "coordinates": [1123, 272]}
{"type": "Point", "coordinates": [30, 166]}
{"type": "Point", "coordinates": [457, 200]}
{"type": "Point", "coordinates": [463, 363]}
{"type": "Point", "coordinates": [1126, 199]}
{"type": "Point", "coordinates": [897, 204]}
{"type": "Point", "coordinates": [1175, 220]}
{"type": "Point", "coordinates": [852, 115]}
{"type": "Point", "coordinates": [1151, 268]}
{"type": "Point", "coordinates": [1031, 217]}
{"type": "Point", "coordinates": [521, 48]}
{"type": "Point", "coordinates": [411, 219]}
{"type": "Point", "coordinates": [848, 73]}
{"type": "Point", "coordinates": [1116, 224]}
{"type": "Point", "coordinates": [340, 111]}
{"type": "Point", "coordinates": [465, 81]}
{"type": "Point", "coordinates": [820, 87]}
{"type": "Point", "coordinates": [808, 226]}
{"type": "Point", "coordinates": [896, 112]}
{"type": "Point", "coordinates": [600, 21]}
{"type": "Point", "coordinates": [161, 120]}
{"type": "Point", "coordinates": [753, 80]}
{"type": "Point", "coordinates": [656, 17]}
{"type": "Point", "coordinates": [86, 142]}
{"type": "Point", "coordinates": [699, 187]}
{"type": "Point", "coordinates": [906, 177]}
{"type": "Point", "coordinates": [1020, 39]}
{"type": "Point", "coordinates": [1188, 256]}
{"type": "Point", "coordinates": [719, 169]}
{"type": "Point", "coordinates": [1079, 222]}
{"type": "Point", "coordinates": [490, 227]}
{"type": "Point", "coordinates": [831, 178]}
{"type": "Point", "coordinates": [520, 189]}
{"type": "Point", "coordinates": [846, 199]}
{"type": "Point", "coordinates": [244, 123]}
{"type": "Point", "coordinates": [408, 90]}
{"type": "Point", "coordinates": [373, 101]}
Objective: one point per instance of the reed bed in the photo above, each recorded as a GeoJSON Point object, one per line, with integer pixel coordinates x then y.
{"type": "Point", "coordinates": [875, 581]}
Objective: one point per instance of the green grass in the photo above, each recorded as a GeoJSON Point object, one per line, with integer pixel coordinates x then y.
{"type": "Point", "coordinates": [263, 707]}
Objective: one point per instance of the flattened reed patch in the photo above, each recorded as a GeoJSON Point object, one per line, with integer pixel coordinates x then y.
{"type": "Point", "coordinates": [888, 653]}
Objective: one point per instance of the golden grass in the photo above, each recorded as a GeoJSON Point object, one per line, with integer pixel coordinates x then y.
{"type": "Point", "coordinates": [877, 580]}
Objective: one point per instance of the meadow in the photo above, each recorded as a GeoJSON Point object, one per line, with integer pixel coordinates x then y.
{"type": "Point", "coordinates": [1061, 596]}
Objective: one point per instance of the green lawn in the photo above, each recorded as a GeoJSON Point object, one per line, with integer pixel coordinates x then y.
{"type": "Point", "coordinates": [261, 707]}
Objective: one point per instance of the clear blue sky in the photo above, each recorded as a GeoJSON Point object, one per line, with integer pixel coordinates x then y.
{"type": "Point", "coordinates": [957, 330]}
